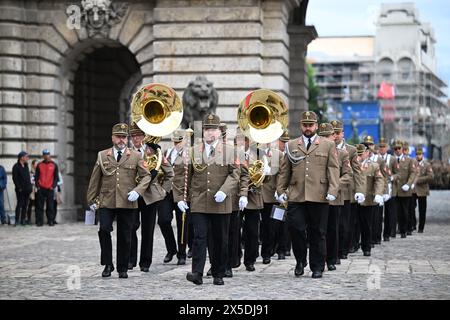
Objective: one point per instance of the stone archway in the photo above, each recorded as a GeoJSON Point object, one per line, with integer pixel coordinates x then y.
{"type": "Point", "coordinates": [103, 84]}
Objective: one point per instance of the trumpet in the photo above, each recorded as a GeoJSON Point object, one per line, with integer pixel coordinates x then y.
{"type": "Point", "coordinates": [157, 110]}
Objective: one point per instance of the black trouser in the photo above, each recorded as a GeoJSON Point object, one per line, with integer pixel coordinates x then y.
{"type": "Point", "coordinates": [422, 211]}
{"type": "Point", "coordinates": [251, 241]}
{"type": "Point", "coordinates": [268, 230]}
{"type": "Point", "coordinates": [412, 222]}
{"type": "Point", "coordinates": [355, 229]}
{"type": "Point", "coordinates": [165, 216]}
{"type": "Point", "coordinates": [21, 207]}
{"type": "Point", "coordinates": [377, 224]}
{"type": "Point", "coordinates": [390, 218]}
{"type": "Point", "coordinates": [233, 259]}
{"type": "Point", "coordinates": [188, 230]}
{"type": "Point", "coordinates": [333, 234]}
{"type": "Point", "coordinates": [124, 223]}
{"type": "Point", "coordinates": [365, 214]}
{"type": "Point", "coordinates": [219, 231]}
{"type": "Point", "coordinates": [31, 205]}
{"type": "Point", "coordinates": [44, 196]}
{"type": "Point", "coordinates": [310, 217]}
{"type": "Point", "coordinates": [147, 223]}
{"type": "Point", "coordinates": [344, 228]}
{"type": "Point", "coordinates": [403, 204]}
{"type": "Point", "coordinates": [280, 237]}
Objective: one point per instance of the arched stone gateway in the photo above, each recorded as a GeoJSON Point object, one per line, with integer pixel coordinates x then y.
{"type": "Point", "coordinates": [68, 68]}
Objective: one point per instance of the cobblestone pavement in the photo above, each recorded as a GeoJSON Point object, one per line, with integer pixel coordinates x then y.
{"type": "Point", "coordinates": [43, 263]}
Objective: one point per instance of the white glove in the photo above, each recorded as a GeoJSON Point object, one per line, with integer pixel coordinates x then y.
{"type": "Point", "coordinates": [93, 207]}
{"type": "Point", "coordinates": [133, 196]}
{"type": "Point", "coordinates": [182, 205]}
{"type": "Point", "coordinates": [392, 179]}
{"type": "Point", "coordinates": [390, 189]}
{"type": "Point", "coordinates": [405, 187]}
{"type": "Point", "coordinates": [276, 195]}
{"type": "Point", "coordinates": [386, 197]}
{"type": "Point", "coordinates": [220, 196]}
{"type": "Point", "coordinates": [412, 187]}
{"type": "Point", "coordinates": [282, 198]}
{"type": "Point", "coordinates": [360, 197]}
{"type": "Point", "coordinates": [243, 201]}
{"type": "Point", "coordinates": [330, 197]}
{"type": "Point", "coordinates": [378, 199]}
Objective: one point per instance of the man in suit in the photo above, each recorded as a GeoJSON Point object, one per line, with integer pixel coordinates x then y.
{"type": "Point", "coordinates": [390, 214]}
{"type": "Point", "coordinates": [310, 173]}
{"type": "Point", "coordinates": [113, 190]}
{"type": "Point", "coordinates": [213, 178]}
{"type": "Point", "coordinates": [421, 187]}
{"type": "Point", "coordinates": [403, 176]}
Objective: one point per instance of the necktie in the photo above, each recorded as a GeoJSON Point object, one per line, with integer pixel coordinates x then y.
{"type": "Point", "coordinates": [211, 152]}
{"type": "Point", "coordinates": [398, 159]}
{"type": "Point", "coordinates": [119, 155]}
{"type": "Point", "coordinates": [309, 144]}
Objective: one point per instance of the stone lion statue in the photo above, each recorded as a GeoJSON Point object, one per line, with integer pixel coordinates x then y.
{"type": "Point", "coordinates": [199, 99]}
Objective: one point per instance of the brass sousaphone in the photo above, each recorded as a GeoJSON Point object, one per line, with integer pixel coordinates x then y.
{"type": "Point", "coordinates": [262, 117]}
{"type": "Point", "coordinates": [157, 110]}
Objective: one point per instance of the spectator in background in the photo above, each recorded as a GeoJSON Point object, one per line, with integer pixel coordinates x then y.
{"type": "Point", "coordinates": [3, 180]}
{"type": "Point", "coordinates": [58, 195]}
{"type": "Point", "coordinates": [46, 178]}
{"type": "Point", "coordinates": [22, 182]}
{"type": "Point", "coordinates": [32, 202]}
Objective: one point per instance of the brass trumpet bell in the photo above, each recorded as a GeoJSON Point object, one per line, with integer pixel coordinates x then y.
{"type": "Point", "coordinates": [156, 109]}
{"type": "Point", "coordinates": [262, 116]}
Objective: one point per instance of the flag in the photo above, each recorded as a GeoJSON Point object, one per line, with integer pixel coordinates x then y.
{"type": "Point", "coordinates": [386, 91]}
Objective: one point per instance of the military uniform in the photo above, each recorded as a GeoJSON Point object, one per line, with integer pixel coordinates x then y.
{"type": "Point", "coordinates": [374, 188]}
{"type": "Point", "coordinates": [348, 220]}
{"type": "Point", "coordinates": [213, 173]}
{"type": "Point", "coordinates": [177, 158]}
{"type": "Point", "coordinates": [422, 189]}
{"type": "Point", "coordinates": [390, 211]}
{"type": "Point", "coordinates": [404, 173]}
{"type": "Point", "coordinates": [111, 180]}
{"type": "Point", "coordinates": [310, 173]}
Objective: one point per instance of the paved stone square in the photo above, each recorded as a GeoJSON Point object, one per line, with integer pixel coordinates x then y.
{"type": "Point", "coordinates": [62, 262]}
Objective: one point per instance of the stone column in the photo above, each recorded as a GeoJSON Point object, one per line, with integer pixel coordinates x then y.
{"type": "Point", "coordinates": [300, 37]}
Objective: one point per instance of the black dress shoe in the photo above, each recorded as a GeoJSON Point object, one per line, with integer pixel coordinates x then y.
{"type": "Point", "coordinates": [168, 257]}
{"type": "Point", "coordinates": [107, 271]}
{"type": "Point", "coordinates": [51, 224]}
{"type": "Point", "coordinates": [338, 261]}
{"type": "Point", "coordinates": [250, 267]}
{"type": "Point", "coordinates": [299, 270]}
{"type": "Point", "coordinates": [331, 267]}
{"type": "Point", "coordinates": [228, 273]}
{"type": "Point", "coordinates": [40, 225]}
{"type": "Point", "coordinates": [403, 235]}
{"type": "Point", "coordinates": [420, 231]}
{"type": "Point", "coordinates": [343, 256]}
{"type": "Point", "coordinates": [386, 239]}
{"type": "Point", "coordinates": [194, 278]}
{"type": "Point", "coordinates": [281, 256]}
{"type": "Point", "coordinates": [189, 254]}
{"type": "Point", "coordinates": [209, 273]}
{"type": "Point", "coordinates": [218, 281]}
{"type": "Point", "coordinates": [266, 260]}
{"type": "Point", "coordinates": [316, 274]}
{"type": "Point", "coordinates": [145, 269]}
{"type": "Point", "coordinates": [366, 253]}
{"type": "Point", "coordinates": [377, 242]}
{"type": "Point", "coordinates": [372, 245]}
{"type": "Point", "coordinates": [287, 253]}
{"type": "Point", "coordinates": [181, 261]}
{"type": "Point", "coordinates": [130, 266]}
{"type": "Point", "coordinates": [352, 250]}
{"type": "Point", "coordinates": [409, 233]}
{"type": "Point", "coordinates": [123, 275]}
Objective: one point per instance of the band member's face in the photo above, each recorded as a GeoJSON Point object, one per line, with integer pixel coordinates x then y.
{"type": "Point", "coordinates": [211, 135]}
{"type": "Point", "coordinates": [309, 129]}
{"type": "Point", "coordinates": [281, 145]}
{"type": "Point", "coordinates": [149, 151]}
{"type": "Point", "coordinates": [338, 136]}
{"type": "Point", "coordinates": [405, 152]}
{"type": "Point", "coordinates": [119, 141]}
{"type": "Point", "coordinates": [398, 151]}
{"type": "Point", "coordinates": [419, 157]}
{"type": "Point", "coordinates": [383, 150]}
{"type": "Point", "coordinates": [136, 139]}
{"type": "Point", "coordinates": [179, 145]}
{"type": "Point", "coordinates": [365, 154]}
{"type": "Point", "coordinates": [372, 147]}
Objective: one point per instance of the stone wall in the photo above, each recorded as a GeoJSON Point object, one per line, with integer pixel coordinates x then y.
{"type": "Point", "coordinates": [239, 45]}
